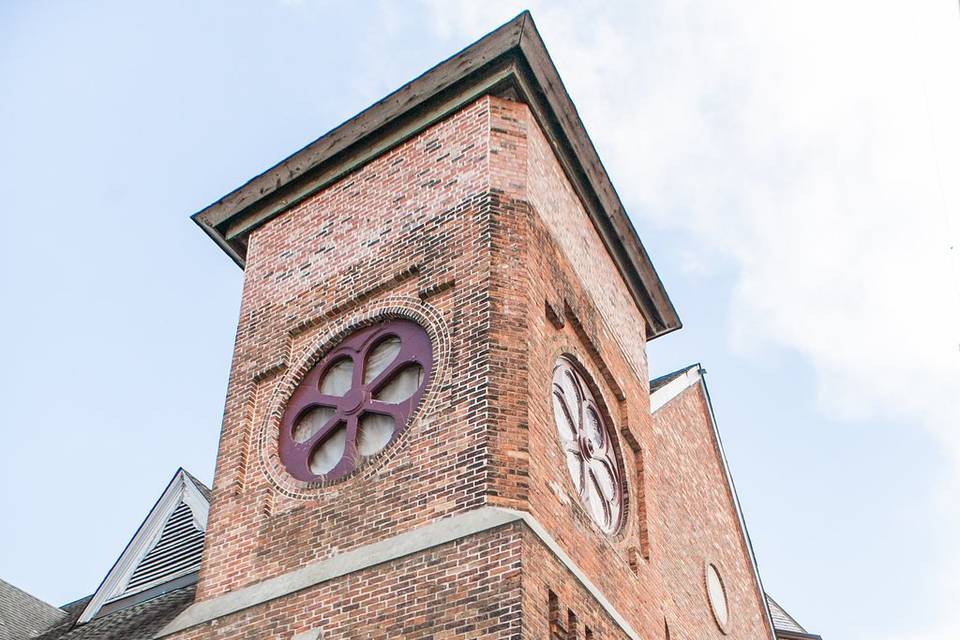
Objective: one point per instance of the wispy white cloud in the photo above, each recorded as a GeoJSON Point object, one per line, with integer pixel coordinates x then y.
{"type": "Point", "coordinates": [816, 147]}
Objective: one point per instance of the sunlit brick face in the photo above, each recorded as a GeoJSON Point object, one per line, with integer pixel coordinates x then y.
{"type": "Point", "coordinates": [356, 401]}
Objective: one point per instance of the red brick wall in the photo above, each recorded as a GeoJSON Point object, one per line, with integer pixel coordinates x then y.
{"type": "Point", "coordinates": [407, 233]}
{"type": "Point", "coordinates": [699, 523]}
{"type": "Point", "coordinates": [577, 304]}
{"type": "Point", "coordinates": [562, 271]}
{"type": "Point", "coordinates": [553, 598]}
{"type": "Point", "coordinates": [464, 589]}
{"type": "Point", "coordinates": [471, 228]}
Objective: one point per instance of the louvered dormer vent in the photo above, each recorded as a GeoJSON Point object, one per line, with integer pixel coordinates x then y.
{"type": "Point", "coordinates": [177, 552]}
{"type": "Point", "coordinates": [164, 553]}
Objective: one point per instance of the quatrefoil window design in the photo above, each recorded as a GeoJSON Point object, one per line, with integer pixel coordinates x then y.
{"type": "Point", "coordinates": [356, 401]}
{"type": "Point", "coordinates": [587, 445]}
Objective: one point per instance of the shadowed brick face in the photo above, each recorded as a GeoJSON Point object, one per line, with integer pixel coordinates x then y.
{"type": "Point", "coordinates": [472, 228]}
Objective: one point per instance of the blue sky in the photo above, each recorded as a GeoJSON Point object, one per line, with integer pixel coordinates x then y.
{"type": "Point", "coordinates": [791, 170]}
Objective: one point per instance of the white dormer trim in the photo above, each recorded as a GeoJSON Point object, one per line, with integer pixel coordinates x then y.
{"type": "Point", "coordinates": [182, 488]}
{"type": "Point", "coordinates": [675, 387]}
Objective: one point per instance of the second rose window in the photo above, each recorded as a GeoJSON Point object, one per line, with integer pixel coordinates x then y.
{"type": "Point", "coordinates": [587, 446]}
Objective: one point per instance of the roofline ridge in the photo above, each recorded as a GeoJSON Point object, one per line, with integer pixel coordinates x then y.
{"type": "Point", "coordinates": [738, 509]}
{"type": "Point", "coordinates": [510, 58]}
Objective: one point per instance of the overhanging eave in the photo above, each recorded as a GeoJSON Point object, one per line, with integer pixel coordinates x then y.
{"type": "Point", "coordinates": [513, 61]}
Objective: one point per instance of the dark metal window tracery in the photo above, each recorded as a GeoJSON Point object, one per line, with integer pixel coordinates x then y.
{"type": "Point", "coordinates": [355, 401]}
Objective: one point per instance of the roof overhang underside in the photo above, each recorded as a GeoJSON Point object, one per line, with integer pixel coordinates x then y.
{"type": "Point", "coordinates": [512, 62]}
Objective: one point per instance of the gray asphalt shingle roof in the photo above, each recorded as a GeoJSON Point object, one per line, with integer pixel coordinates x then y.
{"type": "Point", "coordinates": [22, 615]}
{"type": "Point", "coordinates": [139, 622]}
{"type": "Point", "coordinates": [782, 621]}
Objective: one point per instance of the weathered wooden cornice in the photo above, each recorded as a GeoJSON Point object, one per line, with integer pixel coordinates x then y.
{"type": "Point", "coordinates": [511, 61]}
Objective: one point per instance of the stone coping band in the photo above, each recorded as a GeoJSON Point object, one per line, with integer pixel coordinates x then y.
{"type": "Point", "coordinates": [438, 532]}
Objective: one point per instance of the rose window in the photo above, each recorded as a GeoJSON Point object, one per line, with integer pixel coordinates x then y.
{"type": "Point", "coordinates": [355, 401]}
{"type": "Point", "coordinates": [587, 446]}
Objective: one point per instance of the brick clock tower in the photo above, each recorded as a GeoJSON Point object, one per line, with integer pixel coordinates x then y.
{"type": "Point", "coordinates": [439, 420]}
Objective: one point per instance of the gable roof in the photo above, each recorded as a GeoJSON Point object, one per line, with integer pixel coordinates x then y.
{"type": "Point", "coordinates": [141, 621]}
{"type": "Point", "coordinates": [670, 386]}
{"type": "Point", "coordinates": [664, 389]}
{"type": "Point", "coordinates": [163, 555]}
{"type": "Point", "coordinates": [511, 61]}
{"type": "Point", "coordinates": [782, 621]}
{"type": "Point", "coordinates": [785, 626]}
{"type": "Point", "coordinates": [22, 615]}
{"type": "Point", "coordinates": [663, 380]}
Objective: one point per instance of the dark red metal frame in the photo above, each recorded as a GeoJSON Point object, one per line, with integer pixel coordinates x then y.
{"type": "Point", "coordinates": [415, 348]}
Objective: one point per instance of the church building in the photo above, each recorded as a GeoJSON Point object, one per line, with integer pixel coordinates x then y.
{"type": "Point", "coordinates": [439, 420]}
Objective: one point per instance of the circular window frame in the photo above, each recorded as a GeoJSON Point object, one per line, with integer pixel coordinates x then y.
{"type": "Point", "coordinates": [622, 488]}
{"type": "Point", "coordinates": [312, 350]}
{"type": "Point", "coordinates": [724, 626]}
{"type": "Point", "coordinates": [359, 399]}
